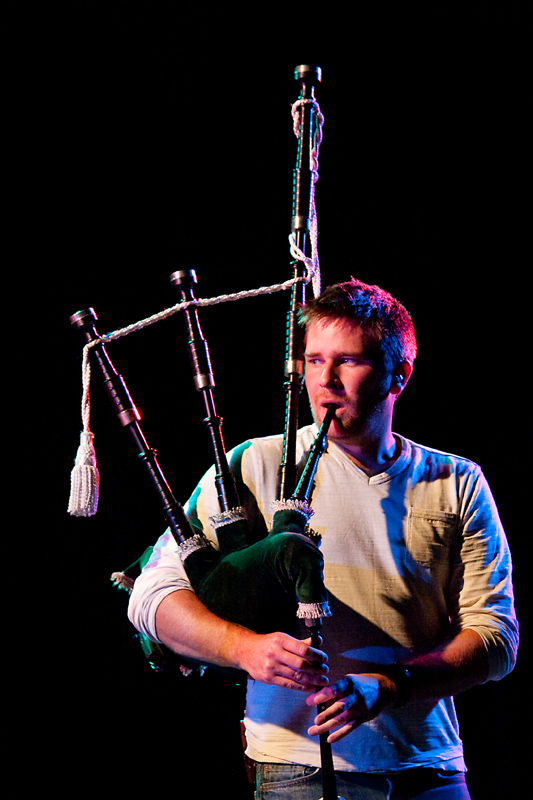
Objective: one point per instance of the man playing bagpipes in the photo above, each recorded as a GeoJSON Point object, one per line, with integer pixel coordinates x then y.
{"type": "Point", "coordinates": [416, 566]}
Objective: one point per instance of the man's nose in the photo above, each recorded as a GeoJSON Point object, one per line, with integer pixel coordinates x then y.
{"type": "Point", "coordinates": [329, 376]}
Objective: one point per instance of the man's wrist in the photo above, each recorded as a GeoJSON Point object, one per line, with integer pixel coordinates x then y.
{"type": "Point", "coordinates": [402, 678]}
{"type": "Point", "coordinates": [238, 641]}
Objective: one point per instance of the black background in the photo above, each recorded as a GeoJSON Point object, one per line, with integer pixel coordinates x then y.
{"type": "Point", "coordinates": [142, 138]}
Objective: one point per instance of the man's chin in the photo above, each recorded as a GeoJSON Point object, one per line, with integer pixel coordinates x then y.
{"type": "Point", "coordinates": [345, 432]}
{"type": "Point", "coordinates": [339, 432]}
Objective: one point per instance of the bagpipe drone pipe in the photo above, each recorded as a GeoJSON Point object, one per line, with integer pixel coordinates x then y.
{"type": "Point", "coordinates": [267, 584]}
{"type": "Point", "coordinates": [263, 585]}
{"type": "Point", "coordinates": [299, 571]}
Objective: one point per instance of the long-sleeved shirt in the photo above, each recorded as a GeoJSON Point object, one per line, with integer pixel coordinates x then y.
{"type": "Point", "coordinates": [412, 556]}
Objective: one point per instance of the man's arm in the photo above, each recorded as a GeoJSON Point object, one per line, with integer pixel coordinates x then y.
{"type": "Point", "coordinates": [450, 669]}
{"type": "Point", "coordinates": [187, 627]}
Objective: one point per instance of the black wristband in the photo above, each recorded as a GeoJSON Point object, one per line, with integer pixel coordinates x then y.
{"type": "Point", "coordinates": [404, 683]}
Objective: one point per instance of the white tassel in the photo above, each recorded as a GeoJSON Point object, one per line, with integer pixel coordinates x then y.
{"type": "Point", "coordinates": [227, 517]}
{"type": "Point", "coordinates": [84, 480]}
{"type": "Point", "coordinates": [301, 506]}
{"type": "Point", "coordinates": [313, 610]}
{"type": "Point", "coordinates": [122, 581]}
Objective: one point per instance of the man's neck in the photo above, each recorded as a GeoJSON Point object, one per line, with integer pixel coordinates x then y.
{"type": "Point", "coordinates": [373, 457]}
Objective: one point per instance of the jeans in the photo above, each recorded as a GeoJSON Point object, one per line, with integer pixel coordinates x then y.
{"type": "Point", "coordinates": [295, 782]}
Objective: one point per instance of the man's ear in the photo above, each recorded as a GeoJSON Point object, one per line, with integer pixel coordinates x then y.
{"type": "Point", "coordinates": [400, 377]}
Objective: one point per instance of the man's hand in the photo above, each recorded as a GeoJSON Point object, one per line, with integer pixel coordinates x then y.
{"type": "Point", "coordinates": [281, 660]}
{"type": "Point", "coordinates": [188, 628]}
{"type": "Point", "coordinates": [452, 667]}
{"type": "Point", "coordinates": [350, 702]}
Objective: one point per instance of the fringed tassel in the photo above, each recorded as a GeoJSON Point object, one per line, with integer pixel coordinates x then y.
{"type": "Point", "coordinates": [227, 517]}
{"type": "Point", "coordinates": [84, 480]}
{"type": "Point", "coordinates": [122, 581]}
{"type": "Point", "coordinates": [313, 610]}
{"type": "Point", "coordinates": [301, 506]}
{"type": "Point", "coordinates": [196, 542]}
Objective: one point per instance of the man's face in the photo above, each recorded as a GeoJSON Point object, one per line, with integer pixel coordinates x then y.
{"type": "Point", "coordinates": [339, 369]}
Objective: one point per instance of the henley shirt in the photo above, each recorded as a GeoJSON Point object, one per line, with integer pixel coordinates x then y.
{"type": "Point", "coordinates": [412, 556]}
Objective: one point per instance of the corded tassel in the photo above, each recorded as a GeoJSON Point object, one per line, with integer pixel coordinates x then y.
{"type": "Point", "coordinates": [84, 480]}
{"type": "Point", "coordinates": [122, 581]}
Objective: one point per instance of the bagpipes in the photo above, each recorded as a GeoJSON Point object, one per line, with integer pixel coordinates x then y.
{"type": "Point", "coordinates": [287, 565]}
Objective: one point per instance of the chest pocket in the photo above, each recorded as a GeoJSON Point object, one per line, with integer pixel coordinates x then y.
{"type": "Point", "coordinates": [430, 536]}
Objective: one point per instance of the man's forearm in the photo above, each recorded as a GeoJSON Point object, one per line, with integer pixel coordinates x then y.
{"type": "Point", "coordinates": [451, 668]}
{"type": "Point", "coordinates": [188, 628]}
{"type": "Point", "coordinates": [455, 666]}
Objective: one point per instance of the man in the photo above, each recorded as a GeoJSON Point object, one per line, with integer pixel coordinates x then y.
{"type": "Point", "coordinates": [416, 566]}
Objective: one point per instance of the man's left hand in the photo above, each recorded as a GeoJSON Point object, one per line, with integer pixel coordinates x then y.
{"type": "Point", "coordinates": [350, 702]}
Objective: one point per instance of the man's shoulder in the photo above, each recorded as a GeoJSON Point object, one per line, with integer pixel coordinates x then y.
{"type": "Point", "coordinates": [304, 434]}
{"type": "Point", "coordinates": [271, 446]}
{"type": "Point", "coordinates": [426, 454]}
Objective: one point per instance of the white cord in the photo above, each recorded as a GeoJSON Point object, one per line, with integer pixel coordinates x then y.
{"type": "Point", "coordinates": [312, 264]}
{"type": "Point", "coordinates": [85, 479]}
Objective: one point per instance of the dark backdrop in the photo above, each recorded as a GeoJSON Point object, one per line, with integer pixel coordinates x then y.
{"type": "Point", "coordinates": [148, 137]}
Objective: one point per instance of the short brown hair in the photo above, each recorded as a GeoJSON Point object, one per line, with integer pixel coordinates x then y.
{"type": "Point", "coordinates": [386, 324]}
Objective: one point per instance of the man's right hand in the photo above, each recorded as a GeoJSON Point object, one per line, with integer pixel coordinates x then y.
{"type": "Point", "coordinates": [281, 660]}
{"type": "Point", "coordinates": [188, 628]}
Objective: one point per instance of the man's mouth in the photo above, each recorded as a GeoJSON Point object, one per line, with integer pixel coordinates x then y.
{"type": "Point", "coordinates": [325, 407]}
{"type": "Point", "coordinates": [327, 403]}
{"type": "Point", "coordinates": [336, 425]}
